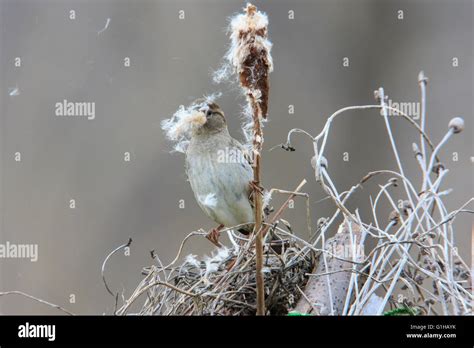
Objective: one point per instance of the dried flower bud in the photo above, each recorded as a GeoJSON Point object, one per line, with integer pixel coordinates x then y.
{"type": "Point", "coordinates": [393, 181]}
{"type": "Point", "coordinates": [406, 208]}
{"type": "Point", "coordinates": [429, 301]}
{"type": "Point", "coordinates": [419, 279]}
{"type": "Point", "coordinates": [416, 149]}
{"type": "Point", "coordinates": [415, 235]}
{"type": "Point", "coordinates": [321, 222]}
{"type": "Point", "coordinates": [422, 78]}
{"type": "Point", "coordinates": [438, 167]}
{"type": "Point", "coordinates": [432, 235]}
{"type": "Point", "coordinates": [377, 95]}
{"type": "Point", "coordinates": [288, 147]}
{"type": "Point", "coordinates": [394, 216]}
{"type": "Point", "coordinates": [457, 124]}
{"type": "Point", "coordinates": [324, 162]}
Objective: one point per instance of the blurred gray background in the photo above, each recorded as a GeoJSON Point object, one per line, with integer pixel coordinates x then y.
{"type": "Point", "coordinates": [171, 64]}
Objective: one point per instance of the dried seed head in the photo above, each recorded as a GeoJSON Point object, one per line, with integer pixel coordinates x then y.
{"type": "Point", "coordinates": [377, 95]}
{"type": "Point", "coordinates": [422, 78]}
{"type": "Point", "coordinates": [416, 149]}
{"type": "Point", "coordinates": [288, 147]}
{"type": "Point", "coordinates": [395, 217]}
{"type": "Point", "coordinates": [438, 167]}
{"type": "Point", "coordinates": [321, 222]}
{"type": "Point", "coordinates": [457, 125]}
{"type": "Point", "coordinates": [249, 54]}
{"type": "Point", "coordinates": [406, 208]}
{"type": "Point", "coordinates": [419, 279]}
{"type": "Point", "coordinates": [429, 301]}
{"type": "Point", "coordinates": [415, 235]}
{"type": "Point", "coordinates": [324, 162]}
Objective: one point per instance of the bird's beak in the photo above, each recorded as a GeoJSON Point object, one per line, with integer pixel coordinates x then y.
{"type": "Point", "coordinates": [204, 111]}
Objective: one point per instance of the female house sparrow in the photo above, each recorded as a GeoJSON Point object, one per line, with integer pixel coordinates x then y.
{"type": "Point", "coordinates": [220, 174]}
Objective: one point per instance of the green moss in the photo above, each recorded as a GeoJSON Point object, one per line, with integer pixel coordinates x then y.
{"type": "Point", "coordinates": [402, 311]}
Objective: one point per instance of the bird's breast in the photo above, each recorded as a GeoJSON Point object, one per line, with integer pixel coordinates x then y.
{"type": "Point", "coordinates": [220, 181]}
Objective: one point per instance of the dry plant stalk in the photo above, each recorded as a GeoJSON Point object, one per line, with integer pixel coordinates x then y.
{"type": "Point", "coordinates": [416, 250]}
{"type": "Point", "coordinates": [250, 58]}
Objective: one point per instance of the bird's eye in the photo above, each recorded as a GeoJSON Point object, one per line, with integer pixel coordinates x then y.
{"type": "Point", "coordinates": [209, 113]}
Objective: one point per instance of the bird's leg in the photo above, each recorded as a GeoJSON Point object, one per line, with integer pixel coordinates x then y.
{"type": "Point", "coordinates": [213, 235]}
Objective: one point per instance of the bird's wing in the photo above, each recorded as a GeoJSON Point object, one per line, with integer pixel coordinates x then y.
{"type": "Point", "coordinates": [249, 161]}
{"type": "Point", "coordinates": [243, 149]}
{"type": "Point", "coordinates": [247, 164]}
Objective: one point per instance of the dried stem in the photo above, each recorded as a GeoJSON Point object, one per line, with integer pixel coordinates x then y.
{"type": "Point", "coordinates": [277, 215]}
{"type": "Point", "coordinates": [103, 270]}
{"type": "Point", "coordinates": [15, 292]}
{"type": "Point", "coordinates": [250, 57]}
{"type": "Point", "coordinates": [258, 212]}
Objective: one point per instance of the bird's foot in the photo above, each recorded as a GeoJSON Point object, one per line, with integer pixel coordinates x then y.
{"type": "Point", "coordinates": [214, 234]}
{"type": "Point", "coordinates": [256, 187]}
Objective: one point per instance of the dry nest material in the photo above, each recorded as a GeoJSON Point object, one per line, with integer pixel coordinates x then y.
{"type": "Point", "coordinates": [225, 283]}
